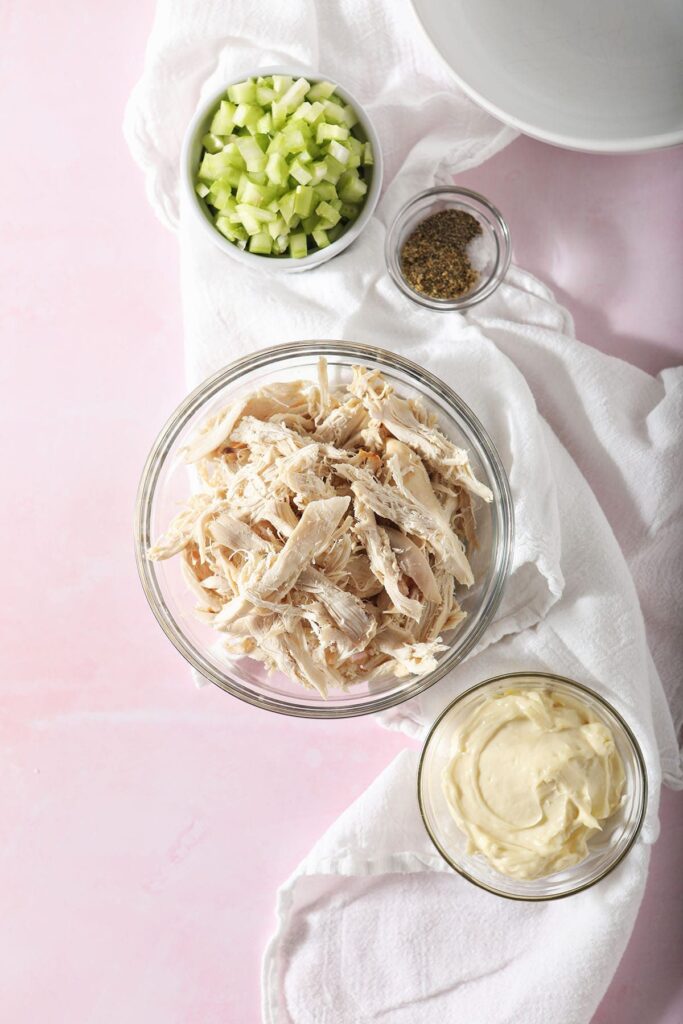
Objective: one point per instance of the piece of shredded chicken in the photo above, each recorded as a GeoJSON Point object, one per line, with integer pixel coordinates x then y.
{"type": "Point", "coordinates": [331, 533]}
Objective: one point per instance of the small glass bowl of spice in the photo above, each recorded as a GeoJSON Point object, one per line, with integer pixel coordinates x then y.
{"type": "Point", "coordinates": [448, 248]}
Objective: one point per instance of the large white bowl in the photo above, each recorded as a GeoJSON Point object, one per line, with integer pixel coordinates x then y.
{"type": "Point", "coordinates": [597, 75]}
{"type": "Point", "coordinates": [191, 156]}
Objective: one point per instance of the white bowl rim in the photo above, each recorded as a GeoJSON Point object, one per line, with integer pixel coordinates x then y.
{"type": "Point", "coordinates": [637, 144]}
{"type": "Point", "coordinates": [284, 264]}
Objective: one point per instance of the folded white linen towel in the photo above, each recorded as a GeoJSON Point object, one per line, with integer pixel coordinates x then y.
{"type": "Point", "coordinates": [373, 926]}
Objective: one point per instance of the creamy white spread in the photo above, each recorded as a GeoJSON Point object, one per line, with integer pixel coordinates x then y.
{"type": "Point", "coordinates": [533, 773]}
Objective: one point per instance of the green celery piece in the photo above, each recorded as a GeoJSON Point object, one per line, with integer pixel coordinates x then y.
{"type": "Point", "coordinates": [351, 188]}
{"type": "Point", "coordinates": [261, 243]}
{"type": "Point", "coordinates": [279, 113]}
{"type": "Point", "coordinates": [320, 91]}
{"type": "Point", "coordinates": [310, 223]}
{"type": "Point", "coordinates": [247, 114]}
{"type": "Point", "coordinates": [224, 119]}
{"type": "Point", "coordinates": [350, 116]}
{"type": "Point", "coordinates": [265, 94]}
{"type": "Point", "coordinates": [201, 189]}
{"type": "Point", "coordinates": [258, 177]}
{"type": "Point", "coordinates": [299, 173]}
{"type": "Point", "coordinates": [325, 132]}
{"type": "Point", "coordinates": [313, 112]}
{"type": "Point", "coordinates": [335, 203]}
{"type": "Point", "coordinates": [233, 232]}
{"type": "Point", "coordinates": [325, 191]}
{"type": "Point", "coordinates": [294, 222]}
{"type": "Point", "coordinates": [303, 200]}
{"type": "Point", "coordinates": [277, 144]}
{"type": "Point", "coordinates": [250, 224]}
{"type": "Point", "coordinates": [243, 92]}
{"type": "Point", "coordinates": [244, 182]}
{"type": "Point", "coordinates": [339, 152]}
{"type": "Point", "coordinates": [262, 216]}
{"type": "Point", "coordinates": [221, 195]}
{"type": "Point", "coordinates": [277, 169]}
{"type": "Point", "coordinates": [320, 237]}
{"type": "Point", "coordinates": [295, 139]}
{"type": "Point", "coordinates": [277, 227]}
{"type": "Point", "coordinates": [264, 125]}
{"type": "Point", "coordinates": [334, 112]}
{"type": "Point", "coordinates": [286, 206]}
{"type": "Point", "coordinates": [349, 211]}
{"type": "Point", "coordinates": [318, 171]}
{"type": "Point", "coordinates": [368, 155]}
{"type": "Point", "coordinates": [212, 143]}
{"type": "Point", "coordinates": [263, 139]}
{"type": "Point", "coordinates": [295, 94]}
{"type": "Point", "coordinates": [251, 153]}
{"type": "Point", "coordinates": [281, 84]}
{"type": "Point", "coordinates": [298, 247]}
{"type": "Point", "coordinates": [213, 165]}
{"type": "Point", "coordinates": [328, 213]}
{"type": "Point", "coordinates": [233, 156]}
{"type": "Point", "coordinates": [334, 233]}
{"type": "Point", "coordinates": [334, 170]}
{"type": "Point", "coordinates": [253, 194]}
{"type": "Point", "coordinates": [280, 244]}
{"type": "Point", "coordinates": [305, 157]}
{"type": "Point", "coordinates": [356, 149]}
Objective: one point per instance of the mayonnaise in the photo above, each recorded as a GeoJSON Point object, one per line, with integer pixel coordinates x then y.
{"type": "Point", "coordinates": [533, 773]}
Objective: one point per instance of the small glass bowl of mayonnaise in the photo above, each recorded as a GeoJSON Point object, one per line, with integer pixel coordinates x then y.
{"type": "Point", "coordinates": [532, 786]}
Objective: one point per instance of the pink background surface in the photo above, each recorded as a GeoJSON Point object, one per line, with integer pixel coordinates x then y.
{"type": "Point", "coordinates": [146, 825]}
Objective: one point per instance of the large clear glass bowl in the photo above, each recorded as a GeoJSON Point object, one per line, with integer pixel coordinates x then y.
{"type": "Point", "coordinates": [606, 849]}
{"type": "Point", "coordinates": [167, 481]}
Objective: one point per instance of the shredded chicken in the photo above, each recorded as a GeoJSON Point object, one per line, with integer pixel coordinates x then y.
{"type": "Point", "coordinates": [331, 533]}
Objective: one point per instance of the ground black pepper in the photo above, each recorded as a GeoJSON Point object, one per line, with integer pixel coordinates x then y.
{"type": "Point", "coordinates": [434, 257]}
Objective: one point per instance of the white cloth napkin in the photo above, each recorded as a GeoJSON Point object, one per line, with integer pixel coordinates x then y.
{"type": "Point", "coordinates": [373, 926]}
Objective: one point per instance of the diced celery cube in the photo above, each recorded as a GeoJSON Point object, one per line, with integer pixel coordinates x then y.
{"type": "Point", "coordinates": [294, 222]}
{"type": "Point", "coordinates": [349, 211]}
{"type": "Point", "coordinates": [310, 223]}
{"type": "Point", "coordinates": [213, 165]}
{"type": "Point", "coordinates": [280, 244]}
{"type": "Point", "coordinates": [212, 143]}
{"type": "Point", "coordinates": [259, 177]}
{"type": "Point", "coordinates": [325, 191]}
{"type": "Point", "coordinates": [286, 206]}
{"type": "Point", "coordinates": [339, 152]}
{"type": "Point", "coordinates": [320, 91]}
{"type": "Point", "coordinates": [279, 113]}
{"type": "Point", "coordinates": [325, 132]}
{"type": "Point", "coordinates": [224, 119]}
{"type": "Point", "coordinates": [262, 216]}
{"type": "Point", "coordinates": [298, 247]}
{"type": "Point", "coordinates": [281, 84]}
{"type": "Point", "coordinates": [253, 194]}
{"type": "Point", "coordinates": [251, 153]}
{"type": "Point", "coordinates": [234, 232]}
{"type": "Point", "coordinates": [243, 92]}
{"type": "Point", "coordinates": [277, 169]}
{"type": "Point", "coordinates": [232, 155]}
{"type": "Point", "coordinates": [247, 114]}
{"type": "Point", "coordinates": [265, 94]}
{"type": "Point", "coordinates": [277, 144]}
{"type": "Point", "coordinates": [350, 116]}
{"type": "Point", "coordinates": [368, 155]}
{"type": "Point", "coordinates": [277, 227]}
{"type": "Point", "coordinates": [303, 200]}
{"type": "Point", "coordinates": [295, 139]}
{"type": "Point", "coordinates": [299, 173]}
{"type": "Point", "coordinates": [334, 233]}
{"type": "Point", "coordinates": [264, 125]}
{"type": "Point", "coordinates": [334, 169]}
{"type": "Point", "coordinates": [328, 213]}
{"type": "Point", "coordinates": [221, 194]}
{"type": "Point", "coordinates": [351, 188]}
{"type": "Point", "coordinates": [295, 94]}
{"type": "Point", "coordinates": [334, 112]}
{"type": "Point", "coordinates": [321, 238]}
{"type": "Point", "coordinates": [201, 189]}
{"type": "Point", "coordinates": [318, 170]}
{"type": "Point", "coordinates": [260, 243]}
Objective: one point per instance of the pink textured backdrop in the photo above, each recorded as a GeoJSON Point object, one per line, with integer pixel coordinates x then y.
{"type": "Point", "coordinates": [146, 825]}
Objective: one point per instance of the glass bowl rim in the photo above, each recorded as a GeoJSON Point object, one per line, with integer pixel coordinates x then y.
{"type": "Point", "coordinates": [199, 396]}
{"type": "Point", "coordinates": [639, 760]}
{"type": "Point", "coordinates": [393, 262]}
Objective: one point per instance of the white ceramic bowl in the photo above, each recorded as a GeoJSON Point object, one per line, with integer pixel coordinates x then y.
{"type": "Point", "coordinates": [191, 156]}
{"type": "Point", "coordinates": [602, 76]}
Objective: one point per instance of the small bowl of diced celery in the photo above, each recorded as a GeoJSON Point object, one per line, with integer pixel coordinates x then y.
{"type": "Point", "coordinates": [284, 170]}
